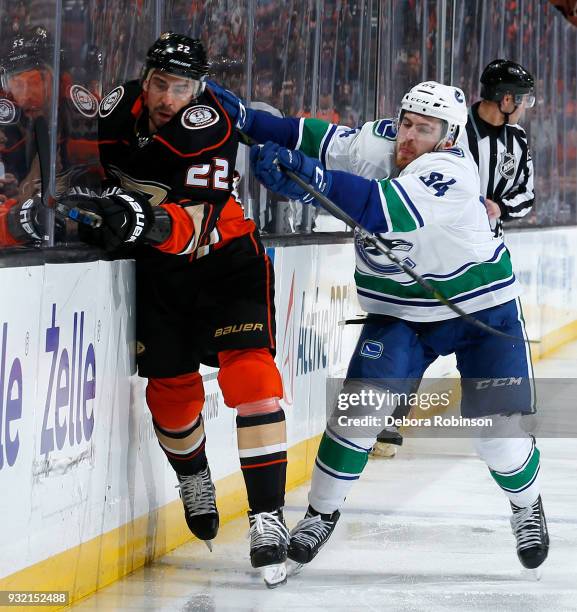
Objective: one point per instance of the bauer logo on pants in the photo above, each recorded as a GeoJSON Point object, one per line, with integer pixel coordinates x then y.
{"type": "Point", "coordinates": [235, 329]}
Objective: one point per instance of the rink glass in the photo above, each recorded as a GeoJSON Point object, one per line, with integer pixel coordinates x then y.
{"type": "Point", "coordinates": [346, 61]}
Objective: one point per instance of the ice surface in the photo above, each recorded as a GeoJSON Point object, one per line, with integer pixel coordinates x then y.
{"type": "Point", "coordinates": [426, 531]}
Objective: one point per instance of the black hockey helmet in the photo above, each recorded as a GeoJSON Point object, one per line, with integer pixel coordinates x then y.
{"type": "Point", "coordinates": [26, 51]}
{"type": "Point", "coordinates": [179, 55]}
{"type": "Point", "coordinates": [502, 77]}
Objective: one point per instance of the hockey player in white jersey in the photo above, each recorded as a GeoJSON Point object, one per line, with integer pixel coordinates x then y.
{"type": "Point", "coordinates": [433, 211]}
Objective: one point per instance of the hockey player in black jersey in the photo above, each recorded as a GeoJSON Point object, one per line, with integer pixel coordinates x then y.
{"type": "Point", "coordinates": [205, 286]}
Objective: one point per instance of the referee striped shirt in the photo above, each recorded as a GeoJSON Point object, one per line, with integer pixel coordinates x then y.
{"type": "Point", "coordinates": [505, 167]}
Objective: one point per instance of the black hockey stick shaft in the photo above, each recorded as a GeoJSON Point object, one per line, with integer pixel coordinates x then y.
{"type": "Point", "coordinates": [42, 142]}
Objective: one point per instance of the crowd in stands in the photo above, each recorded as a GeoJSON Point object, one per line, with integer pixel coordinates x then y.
{"type": "Point", "coordinates": [326, 65]}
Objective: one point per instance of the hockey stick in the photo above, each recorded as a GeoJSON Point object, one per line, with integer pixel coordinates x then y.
{"type": "Point", "coordinates": [42, 142]}
{"type": "Point", "coordinates": [368, 238]}
{"type": "Point", "coordinates": [80, 215]}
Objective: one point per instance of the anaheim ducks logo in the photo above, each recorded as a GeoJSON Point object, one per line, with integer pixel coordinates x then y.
{"type": "Point", "coordinates": [7, 111]}
{"type": "Point", "coordinates": [84, 101]}
{"type": "Point", "coordinates": [199, 117]}
{"type": "Point", "coordinates": [507, 166]}
{"type": "Point", "coordinates": [109, 103]}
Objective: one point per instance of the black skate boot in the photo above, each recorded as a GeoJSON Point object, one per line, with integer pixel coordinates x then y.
{"type": "Point", "coordinates": [530, 529]}
{"type": "Point", "coordinates": [198, 498]}
{"type": "Point", "coordinates": [310, 535]}
{"type": "Point", "coordinates": [269, 539]}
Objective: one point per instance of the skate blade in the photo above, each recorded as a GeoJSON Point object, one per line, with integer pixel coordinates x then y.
{"type": "Point", "coordinates": [532, 574]}
{"type": "Point", "coordinates": [274, 575]}
{"type": "Point", "coordinates": [208, 544]}
{"type": "Point", "coordinates": [293, 567]}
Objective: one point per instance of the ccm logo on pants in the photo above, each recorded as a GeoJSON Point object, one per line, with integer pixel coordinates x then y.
{"type": "Point", "coordinates": [235, 329]}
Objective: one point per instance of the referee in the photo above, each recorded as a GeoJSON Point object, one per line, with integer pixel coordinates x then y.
{"type": "Point", "coordinates": [499, 145]}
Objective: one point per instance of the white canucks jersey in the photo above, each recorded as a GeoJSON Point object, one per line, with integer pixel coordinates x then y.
{"type": "Point", "coordinates": [367, 151]}
{"type": "Point", "coordinates": [432, 217]}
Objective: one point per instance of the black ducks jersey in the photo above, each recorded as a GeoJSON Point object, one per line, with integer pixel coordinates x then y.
{"type": "Point", "coordinates": [186, 167]}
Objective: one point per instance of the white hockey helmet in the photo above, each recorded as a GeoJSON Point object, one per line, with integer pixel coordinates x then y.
{"type": "Point", "coordinates": [441, 101]}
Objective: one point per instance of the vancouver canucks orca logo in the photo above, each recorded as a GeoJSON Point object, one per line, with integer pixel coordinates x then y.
{"type": "Point", "coordinates": [386, 128]}
{"type": "Point", "coordinates": [375, 260]}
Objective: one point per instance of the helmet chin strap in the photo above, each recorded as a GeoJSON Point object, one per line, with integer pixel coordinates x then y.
{"type": "Point", "coordinates": [505, 114]}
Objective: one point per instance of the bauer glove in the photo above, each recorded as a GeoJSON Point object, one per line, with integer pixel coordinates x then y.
{"type": "Point", "coordinates": [126, 217]}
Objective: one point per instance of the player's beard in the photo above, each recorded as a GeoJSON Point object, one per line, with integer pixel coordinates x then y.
{"type": "Point", "coordinates": [404, 158]}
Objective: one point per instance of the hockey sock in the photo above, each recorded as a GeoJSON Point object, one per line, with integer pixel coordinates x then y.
{"type": "Point", "coordinates": [338, 465]}
{"type": "Point", "coordinates": [263, 458]}
{"type": "Point", "coordinates": [515, 468]}
{"type": "Point", "coordinates": [184, 449]}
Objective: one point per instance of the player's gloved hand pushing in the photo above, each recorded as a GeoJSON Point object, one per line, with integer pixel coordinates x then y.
{"type": "Point", "coordinates": [269, 161]}
{"type": "Point", "coordinates": [26, 222]}
{"type": "Point", "coordinates": [240, 115]}
{"type": "Point", "coordinates": [126, 217]}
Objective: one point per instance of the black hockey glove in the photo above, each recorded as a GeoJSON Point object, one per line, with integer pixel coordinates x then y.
{"type": "Point", "coordinates": [25, 220]}
{"type": "Point", "coordinates": [126, 217]}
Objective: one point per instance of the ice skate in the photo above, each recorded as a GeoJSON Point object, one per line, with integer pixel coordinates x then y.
{"type": "Point", "coordinates": [310, 535]}
{"type": "Point", "coordinates": [269, 539]}
{"type": "Point", "coordinates": [198, 498]}
{"type": "Point", "coordinates": [530, 530]}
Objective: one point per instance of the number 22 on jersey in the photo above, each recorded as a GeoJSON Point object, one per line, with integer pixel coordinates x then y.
{"type": "Point", "coordinates": [209, 176]}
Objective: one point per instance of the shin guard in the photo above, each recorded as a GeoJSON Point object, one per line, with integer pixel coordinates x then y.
{"type": "Point", "coordinates": [263, 458]}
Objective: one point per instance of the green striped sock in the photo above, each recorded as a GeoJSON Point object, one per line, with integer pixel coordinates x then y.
{"type": "Point", "coordinates": [341, 459]}
{"type": "Point", "coordinates": [521, 485]}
